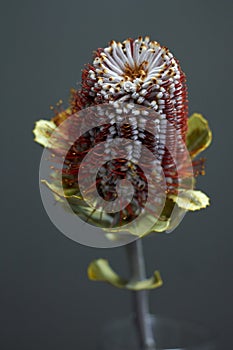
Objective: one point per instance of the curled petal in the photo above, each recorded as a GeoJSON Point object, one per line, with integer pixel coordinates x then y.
{"type": "Point", "coordinates": [100, 270]}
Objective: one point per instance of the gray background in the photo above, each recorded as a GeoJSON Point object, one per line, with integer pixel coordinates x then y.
{"type": "Point", "coordinates": [46, 299]}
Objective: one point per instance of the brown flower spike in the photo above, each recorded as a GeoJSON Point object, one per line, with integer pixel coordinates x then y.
{"type": "Point", "coordinates": [136, 72]}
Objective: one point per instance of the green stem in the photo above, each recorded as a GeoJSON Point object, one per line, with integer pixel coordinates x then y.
{"type": "Point", "coordinates": [140, 298]}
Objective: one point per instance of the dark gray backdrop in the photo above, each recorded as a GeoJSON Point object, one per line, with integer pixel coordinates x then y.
{"type": "Point", "coordinates": [46, 299]}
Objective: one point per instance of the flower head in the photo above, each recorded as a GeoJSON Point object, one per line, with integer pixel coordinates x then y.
{"type": "Point", "coordinates": [139, 71]}
{"type": "Point", "coordinates": [136, 72]}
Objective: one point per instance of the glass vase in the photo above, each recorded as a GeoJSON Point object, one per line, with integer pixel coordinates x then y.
{"type": "Point", "coordinates": [169, 335]}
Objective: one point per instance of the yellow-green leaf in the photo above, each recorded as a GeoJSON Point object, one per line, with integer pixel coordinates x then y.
{"type": "Point", "coordinates": [100, 270]}
{"type": "Point", "coordinates": [199, 135]}
{"type": "Point", "coordinates": [160, 226]}
{"type": "Point", "coordinates": [59, 191]}
{"type": "Point", "coordinates": [191, 200]}
{"type": "Point", "coordinates": [43, 130]}
{"type": "Point", "coordinates": [150, 283]}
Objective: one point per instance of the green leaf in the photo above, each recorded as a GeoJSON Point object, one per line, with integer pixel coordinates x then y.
{"type": "Point", "coordinates": [199, 135]}
{"type": "Point", "coordinates": [100, 270]}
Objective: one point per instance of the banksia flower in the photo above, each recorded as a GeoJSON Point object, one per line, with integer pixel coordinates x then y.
{"type": "Point", "coordinates": [135, 78]}
{"type": "Point", "coordinates": [141, 72]}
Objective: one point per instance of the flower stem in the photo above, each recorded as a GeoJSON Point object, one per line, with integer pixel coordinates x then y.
{"type": "Point", "coordinates": [140, 298]}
